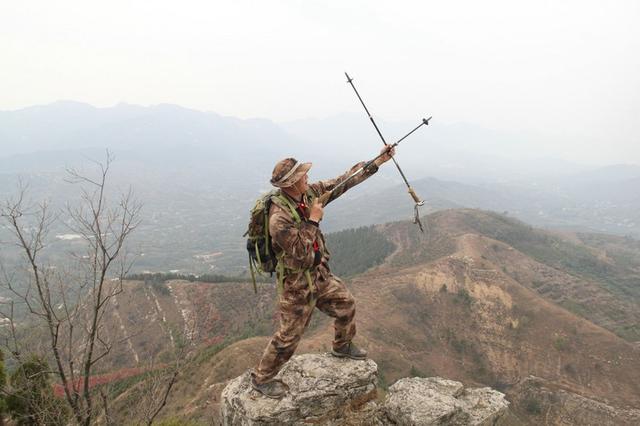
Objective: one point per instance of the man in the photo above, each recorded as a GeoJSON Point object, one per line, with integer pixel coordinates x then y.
{"type": "Point", "coordinates": [307, 280]}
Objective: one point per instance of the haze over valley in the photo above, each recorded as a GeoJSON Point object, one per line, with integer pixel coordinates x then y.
{"type": "Point", "coordinates": [197, 175]}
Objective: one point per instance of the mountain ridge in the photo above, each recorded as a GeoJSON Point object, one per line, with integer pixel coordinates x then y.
{"type": "Point", "coordinates": [439, 305]}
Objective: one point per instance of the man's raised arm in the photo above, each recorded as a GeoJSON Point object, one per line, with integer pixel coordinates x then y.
{"type": "Point", "coordinates": [324, 186]}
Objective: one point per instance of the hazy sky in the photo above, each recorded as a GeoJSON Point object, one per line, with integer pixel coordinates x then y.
{"type": "Point", "coordinates": [564, 73]}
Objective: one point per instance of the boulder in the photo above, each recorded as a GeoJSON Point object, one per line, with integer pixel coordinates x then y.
{"type": "Point", "coordinates": [322, 388]}
{"type": "Point", "coordinates": [438, 401]}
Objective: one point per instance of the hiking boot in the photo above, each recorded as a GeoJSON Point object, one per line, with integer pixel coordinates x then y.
{"type": "Point", "coordinates": [272, 389]}
{"type": "Point", "coordinates": [349, 351]}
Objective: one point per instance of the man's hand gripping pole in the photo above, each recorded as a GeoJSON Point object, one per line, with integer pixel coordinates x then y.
{"type": "Point", "coordinates": [412, 193]}
{"type": "Point", "coordinates": [324, 198]}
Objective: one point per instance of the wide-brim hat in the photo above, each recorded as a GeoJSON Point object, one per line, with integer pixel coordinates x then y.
{"type": "Point", "coordinates": [288, 171]}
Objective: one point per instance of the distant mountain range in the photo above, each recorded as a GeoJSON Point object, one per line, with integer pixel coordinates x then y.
{"type": "Point", "coordinates": [459, 151]}
{"type": "Point", "coordinates": [604, 200]}
{"type": "Point", "coordinates": [72, 125]}
{"type": "Point", "coordinates": [198, 174]}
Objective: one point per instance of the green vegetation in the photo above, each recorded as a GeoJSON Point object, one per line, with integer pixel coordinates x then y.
{"type": "Point", "coordinates": [463, 297]}
{"type": "Point", "coordinates": [617, 273]}
{"type": "Point", "coordinates": [121, 386]}
{"type": "Point", "coordinates": [575, 307]}
{"type": "Point", "coordinates": [625, 251]}
{"type": "Point", "coordinates": [570, 369]}
{"type": "Point", "coordinates": [424, 248]}
{"type": "Point", "coordinates": [355, 250]}
{"type": "Point", "coordinates": [415, 372]}
{"type": "Point", "coordinates": [459, 345]}
{"type": "Point", "coordinates": [561, 343]}
{"type": "Point", "coordinates": [159, 287]}
{"type": "Point", "coordinates": [532, 406]}
{"type": "Point", "coordinates": [206, 354]}
{"type": "Point", "coordinates": [552, 251]}
{"type": "Point", "coordinates": [629, 332]}
{"type": "Point", "coordinates": [478, 368]}
{"type": "Point", "coordinates": [118, 387]}
{"type": "Point", "coordinates": [382, 381]}
{"type": "Point", "coordinates": [524, 317]}
{"type": "Point", "coordinates": [3, 387]}
{"type": "Point", "coordinates": [352, 251]}
{"type": "Point", "coordinates": [31, 400]}
{"type": "Point", "coordinates": [537, 284]}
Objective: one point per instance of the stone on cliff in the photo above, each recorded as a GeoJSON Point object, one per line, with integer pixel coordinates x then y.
{"type": "Point", "coordinates": [337, 391]}
{"type": "Point", "coordinates": [438, 401]}
{"type": "Point", "coordinates": [322, 388]}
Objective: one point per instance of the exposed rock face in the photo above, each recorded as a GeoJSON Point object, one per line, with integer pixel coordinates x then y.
{"type": "Point", "coordinates": [536, 399]}
{"type": "Point", "coordinates": [328, 390]}
{"type": "Point", "coordinates": [437, 401]}
{"type": "Point", "coordinates": [321, 388]}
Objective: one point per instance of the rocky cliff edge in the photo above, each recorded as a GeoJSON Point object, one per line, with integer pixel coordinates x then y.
{"type": "Point", "coordinates": [328, 390]}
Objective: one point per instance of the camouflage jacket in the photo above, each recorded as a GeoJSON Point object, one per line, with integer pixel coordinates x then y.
{"type": "Point", "coordinates": [301, 246]}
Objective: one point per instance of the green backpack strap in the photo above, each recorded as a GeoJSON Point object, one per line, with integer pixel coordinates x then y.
{"type": "Point", "coordinates": [280, 278]}
{"type": "Point", "coordinates": [252, 268]}
{"type": "Point", "coordinates": [284, 200]}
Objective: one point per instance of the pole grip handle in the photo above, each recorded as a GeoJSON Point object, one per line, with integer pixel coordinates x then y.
{"type": "Point", "coordinates": [324, 198]}
{"type": "Point", "coordinates": [414, 196]}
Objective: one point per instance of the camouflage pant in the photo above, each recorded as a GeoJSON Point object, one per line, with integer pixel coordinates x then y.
{"type": "Point", "coordinates": [331, 297]}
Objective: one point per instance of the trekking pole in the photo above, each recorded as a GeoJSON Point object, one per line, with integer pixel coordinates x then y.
{"type": "Point", "coordinates": [412, 193]}
{"type": "Point", "coordinates": [325, 197]}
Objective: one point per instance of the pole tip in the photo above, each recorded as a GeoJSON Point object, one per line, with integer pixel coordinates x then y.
{"type": "Point", "coordinates": [426, 120]}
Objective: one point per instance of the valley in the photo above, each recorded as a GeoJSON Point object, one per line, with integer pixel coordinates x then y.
{"type": "Point", "coordinates": [483, 299]}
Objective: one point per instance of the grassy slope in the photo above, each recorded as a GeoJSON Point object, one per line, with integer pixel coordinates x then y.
{"type": "Point", "coordinates": [605, 284]}
{"type": "Point", "coordinates": [481, 298]}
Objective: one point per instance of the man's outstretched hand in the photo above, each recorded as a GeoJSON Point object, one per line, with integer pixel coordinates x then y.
{"type": "Point", "coordinates": [388, 153]}
{"type": "Point", "coordinates": [316, 212]}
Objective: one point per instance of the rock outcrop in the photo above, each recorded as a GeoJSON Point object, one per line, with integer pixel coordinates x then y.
{"type": "Point", "coordinates": [437, 401]}
{"type": "Point", "coordinates": [321, 388]}
{"type": "Point", "coordinates": [328, 390]}
{"type": "Point", "coordinates": [538, 399]}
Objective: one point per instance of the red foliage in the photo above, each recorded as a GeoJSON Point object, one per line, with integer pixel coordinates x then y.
{"type": "Point", "coordinates": [213, 340]}
{"type": "Point", "coordinates": [101, 379]}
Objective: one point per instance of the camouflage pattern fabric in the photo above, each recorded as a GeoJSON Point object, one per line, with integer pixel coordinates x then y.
{"type": "Point", "coordinates": [297, 300]}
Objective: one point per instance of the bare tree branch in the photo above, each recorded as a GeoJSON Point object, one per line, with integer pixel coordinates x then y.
{"type": "Point", "coordinates": [72, 307]}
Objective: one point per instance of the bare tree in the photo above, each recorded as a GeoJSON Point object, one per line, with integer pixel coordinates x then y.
{"type": "Point", "coordinates": [71, 303]}
{"type": "Point", "coordinates": [146, 399]}
{"type": "Point", "coordinates": [155, 391]}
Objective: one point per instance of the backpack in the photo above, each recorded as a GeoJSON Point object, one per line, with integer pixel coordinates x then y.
{"type": "Point", "coordinates": [262, 258]}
